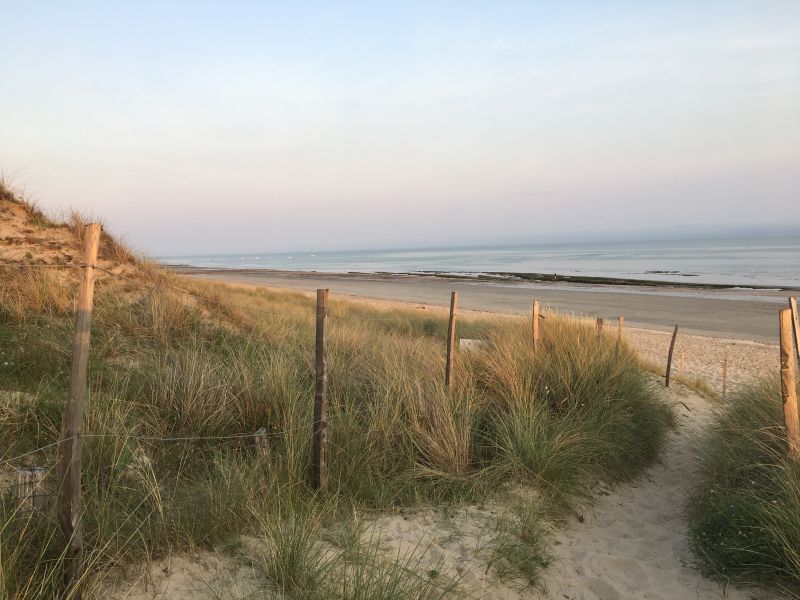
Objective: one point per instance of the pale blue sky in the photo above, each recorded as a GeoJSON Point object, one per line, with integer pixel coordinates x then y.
{"type": "Point", "coordinates": [234, 127]}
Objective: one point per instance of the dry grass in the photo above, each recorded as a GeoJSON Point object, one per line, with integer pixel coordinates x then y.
{"type": "Point", "coordinates": [175, 359]}
{"type": "Point", "coordinates": [36, 216]}
{"type": "Point", "coordinates": [31, 292]}
{"type": "Point", "coordinates": [111, 247]}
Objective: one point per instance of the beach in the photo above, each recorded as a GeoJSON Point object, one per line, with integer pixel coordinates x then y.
{"type": "Point", "coordinates": [745, 314]}
{"type": "Point", "coordinates": [400, 301]}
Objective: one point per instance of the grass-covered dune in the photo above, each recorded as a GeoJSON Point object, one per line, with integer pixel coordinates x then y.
{"type": "Point", "coordinates": [745, 518]}
{"type": "Point", "coordinates": [182, 373]}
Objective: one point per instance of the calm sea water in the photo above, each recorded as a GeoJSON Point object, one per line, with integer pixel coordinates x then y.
{"type": "Point", "coordinates": [771, 261]}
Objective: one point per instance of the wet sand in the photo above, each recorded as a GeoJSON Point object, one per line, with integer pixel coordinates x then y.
{"type": "Point", "coordinates": [736, 313]}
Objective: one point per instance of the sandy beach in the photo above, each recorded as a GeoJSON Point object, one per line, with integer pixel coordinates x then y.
{"type": "Point", "coordinates": [744, 314]}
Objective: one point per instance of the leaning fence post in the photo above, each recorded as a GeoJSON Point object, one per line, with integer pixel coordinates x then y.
{"type": "Point", "coordinates": [451, 339]}
{"type": "Point", "coordinates": [535, 324]}
{"type": "Point", "coordinates": [620, 327]}
{"type": "Point", "coordinates": [669, 356]}
{"type": "Point", "coordinates": [319, 468]}
{"type": "Point", "coordinates": [788, 385]}
{"type": "Point", "coordinates": [70, 450]}
{"type": "Point", "coordinates": [796, 326]}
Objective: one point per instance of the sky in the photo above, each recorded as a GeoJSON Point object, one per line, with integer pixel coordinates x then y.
{"type": "Point", "coordinates": [211, 127]}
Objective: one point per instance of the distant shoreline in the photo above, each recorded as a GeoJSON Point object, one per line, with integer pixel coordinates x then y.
{"type": "Point", "coordinates": [490, 276]}
{"type": "Point", "coordinates": [723, 311]}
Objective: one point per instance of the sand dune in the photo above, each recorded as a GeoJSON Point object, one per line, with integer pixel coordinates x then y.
{"type": "Point", "coordinates": [625, 542]}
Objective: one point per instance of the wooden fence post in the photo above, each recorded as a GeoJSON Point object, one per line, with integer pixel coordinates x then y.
{"type": "Point", "coordinates": [451, 340]}
{"type": "Point", "coordinates": [788, 385]}
{"type": "Point", "coordinates": [724, 375]}
{"type": "Point", "coordinates": [620, 327]}
{"type": "Point", "coordinates": [70, 451]}
{"type": "Point", "coordinates": [669, 356]}
{"type": "Point", "coordinates": [535, 324]}
{"type": "Point", "coordinates": [599, 326]}
{"type": "Point", "coordinates": [31, 491]}
{"type": "Point", "coordinates": [319, 467]}
{"type": "Point", "coordinates": [795, 326]}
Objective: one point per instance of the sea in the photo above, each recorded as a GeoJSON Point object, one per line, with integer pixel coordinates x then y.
{"type": "Point", "coordinates": [740, 262]}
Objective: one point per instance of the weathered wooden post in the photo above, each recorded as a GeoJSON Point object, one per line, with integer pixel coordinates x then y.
{"type": "Point", "coordinates": [788, 385]}
{"type": "Point", "coordinates": [535, 324]}
{"type": "Point", "coordinates": [795, 326]}
{"type": "Point", "coordinates": [70, 451]}
{"type": "Point", "coordinates": [599, 327]}
{"type": "Point", "coordinates": [724, 375]}
{"type": "Point", "coordinates": [319, 467]}
{"type": "Point", "coordinates": [451, 340]}
{"type": "Point", "coordinates": [31, 491]}
{"type": "Point", "coordinates": [669, 356]}
{"type": "Point", "coordinates": [620, 327]}
{"type": "Point", "coordinates": [261, 439]}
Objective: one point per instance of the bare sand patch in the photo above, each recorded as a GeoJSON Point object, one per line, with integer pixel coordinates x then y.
{"type": "Point", "coordinates": [703, 356]}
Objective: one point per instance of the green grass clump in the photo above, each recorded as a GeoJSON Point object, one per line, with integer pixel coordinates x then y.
{"type": "Point", "coordinates": [182, 373]}
{"type": "Point", "coordinates": [745, 517]}
{"type": "Point", "coordinates": [519, 549]}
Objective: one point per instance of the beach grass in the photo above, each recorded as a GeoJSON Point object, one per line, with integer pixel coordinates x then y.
{"type": "Point", "coordinates": [183, 372]}
{"type": "Point", "coordinates": [745, 517]}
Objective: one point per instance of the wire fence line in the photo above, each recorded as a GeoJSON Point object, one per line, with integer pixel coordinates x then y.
{"type": "Point", "coordinates": [196, 296]}
{"type": "Point", "coordinates": [169, 289]}
{"type": "Point", "coordinates": [17, 265]}
{"type": "Point", "coordinates": [262, 433]}
{"type": "Point", "coordinates": [152, 438]}
{"type": "Point", "coordinates": [164, 285]}
{"type": "Point", "coordinates": [16, 468]}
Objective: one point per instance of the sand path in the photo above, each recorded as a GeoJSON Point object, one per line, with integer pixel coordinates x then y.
{"type": "Point", "coordinates": [632, 542]}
